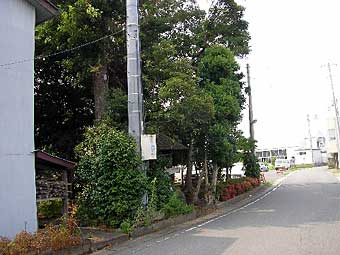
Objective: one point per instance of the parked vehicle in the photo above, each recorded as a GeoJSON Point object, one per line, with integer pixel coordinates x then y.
{"type": "Point", "coordinates": [282, 164]}
{"type": "Point", "coordinates": [263, 167]}
{"type": "Point", "coordinates": [237, 170]}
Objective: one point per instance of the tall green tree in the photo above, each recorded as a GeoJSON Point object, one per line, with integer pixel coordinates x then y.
{"type": "Point", "coordinates": [187, 114]}
{"type": "Point", "coordinates": [220, 78]}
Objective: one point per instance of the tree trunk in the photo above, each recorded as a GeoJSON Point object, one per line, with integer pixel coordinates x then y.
{"type": "Point", "coordinates": [198, 187]}
{"type": "Point", "coordinates": [100, 88]}
{"type": "Point", "coordinates": [188, 177]}
{"type": "Point", "coordinates": [214, 179]}
{"type": "Point", "coordinates": [205, 167]}
{"type": "Point", "coordinates": [206, 177]}
{"type": "Point", "coordinates": [228, 173]}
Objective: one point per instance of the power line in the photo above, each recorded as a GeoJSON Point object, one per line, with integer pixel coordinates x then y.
{"type": "Point", "coordinates": [60, 52]}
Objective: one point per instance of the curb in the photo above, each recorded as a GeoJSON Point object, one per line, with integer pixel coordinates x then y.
{"type": "Point", "coordinates": [163, 224]}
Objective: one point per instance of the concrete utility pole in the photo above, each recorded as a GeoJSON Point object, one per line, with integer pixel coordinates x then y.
{"type": "Point", "coordinates": [310, 138]}
{"type": "Point", "coordinates": [251, 116]}
{"type": "Point", "coordinates": [135, 96]}
{"type": "Point", "coordinates": [337, 131]}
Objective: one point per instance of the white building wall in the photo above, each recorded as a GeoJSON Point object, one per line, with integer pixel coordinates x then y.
{"type": "Point", "coordinates": [303, 159]}
{"type": "Point", "coordinates": [332, 137]}
{"type": "Point", "coordinates": [307, 157]}
{"type": "Point", "coordinates": [17, 172]}
{"type": "Point", "coordinates": [317, 157]}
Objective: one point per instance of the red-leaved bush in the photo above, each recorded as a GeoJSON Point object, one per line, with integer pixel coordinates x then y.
{"type": "Point", "coordinates": [235, 187]}
{"type": "Point", "coordinates": [247, 186]}
{"type": "Point", "coordinates": [254, 181]}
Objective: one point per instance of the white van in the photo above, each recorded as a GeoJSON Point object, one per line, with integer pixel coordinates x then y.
{"type": "Point", "coordinates": [237, 170]}
{"type": "Point", "coordinates": [282, 164]}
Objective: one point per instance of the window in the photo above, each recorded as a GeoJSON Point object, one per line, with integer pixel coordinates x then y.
{"type": "Point", "coordinates": [331, 134]}
{"type": "Point", "coordinates": [266, 154]}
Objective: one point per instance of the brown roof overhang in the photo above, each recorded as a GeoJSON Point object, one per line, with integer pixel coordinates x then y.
{"type": "Point", "coordinates": [56, 162]}
{"type": "Point", "coordinates": [45, 10]}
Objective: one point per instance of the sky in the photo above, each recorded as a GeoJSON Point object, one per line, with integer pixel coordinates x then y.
{"type": "Point", "coordinates": [291, 43]}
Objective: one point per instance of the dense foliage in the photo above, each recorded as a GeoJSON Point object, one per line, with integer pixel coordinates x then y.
{"type": "Point", "coordinates": [161, 185]}
{"type": "Point", "coordinates": [251, 165]}
{"type": "Point", "coordinates": [69, 92]}
{"type": "Point", "coordinates": [50, 209]}
{"type": "Point", "coordinates": [175, 206]}
{"type": "Point", "coordinates": [252, 168]}
{"type": "Point", "coordinates": [193, 93]}
{"type": "Point", "coordinates": [109, 170]}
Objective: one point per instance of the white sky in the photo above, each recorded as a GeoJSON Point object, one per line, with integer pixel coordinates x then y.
{"type": "Point", "coordinates": [291, 40]}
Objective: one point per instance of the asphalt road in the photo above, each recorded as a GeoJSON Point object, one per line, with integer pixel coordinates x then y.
{"type": "Point", "coordinates": [301, 216]}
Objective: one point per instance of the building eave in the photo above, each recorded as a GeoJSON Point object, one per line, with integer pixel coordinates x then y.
{"type": "Point", "coordinates": [45, 10]}
{"type": "Point", "coordinates": [49, 159]}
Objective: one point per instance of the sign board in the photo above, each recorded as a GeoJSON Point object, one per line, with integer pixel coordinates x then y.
{"type": "Point", "coordinates": [149, 147]}
{"type": "Point", "coordinates": [174, 169]}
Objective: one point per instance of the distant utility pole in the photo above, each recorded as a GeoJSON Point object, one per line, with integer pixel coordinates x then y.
{"type": "Point", "coordinates": [337, 131]}
{"type": "Point", "coordinates": [251, 116]}
{"type": "Point", "coordinates": [135, 96]}
{"type": "Point", "coordinates": [310, 138]}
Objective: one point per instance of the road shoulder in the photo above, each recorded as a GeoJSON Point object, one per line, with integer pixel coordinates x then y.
{"type": "Point", "coordinates": [222, 209]}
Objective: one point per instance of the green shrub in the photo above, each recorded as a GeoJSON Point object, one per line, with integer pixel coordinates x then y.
{"type": "Point", "coordinates": [251, 165]}
{"type": "Point", "coordinates": [50, 209]}
{"type": "Point", "coordinates": [272, 160]}
{"type": "Point", "coordinates": [110, 177]}
{"type": "Point", "coordinates": [145, 216]}
{"type": "Point", "coordinates": [126, 226]}
{"type": "Point", "coordinates": [176, 206]}
{"type": "Point", "coordinates": [162, 189]}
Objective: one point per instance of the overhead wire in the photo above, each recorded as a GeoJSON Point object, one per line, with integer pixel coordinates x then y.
{"type": "Point", "coordinates": [60, 52]}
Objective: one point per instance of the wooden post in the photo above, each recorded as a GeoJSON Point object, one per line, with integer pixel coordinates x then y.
{"type": "Point", "coordinates": [65, 198]}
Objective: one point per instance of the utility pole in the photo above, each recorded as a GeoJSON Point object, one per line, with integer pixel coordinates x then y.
{"type": "Point", "coordinates": [135, 96]}
{"type": "Point", "coordinates": [310, 138]}
{"type": "Point", "coordinates": [251, 116]}
{"type": "Point", "coordinates": [337, 131]}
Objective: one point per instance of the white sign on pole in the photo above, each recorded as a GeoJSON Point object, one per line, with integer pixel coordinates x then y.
{"type": "Point", "coordinates": [149, 147]}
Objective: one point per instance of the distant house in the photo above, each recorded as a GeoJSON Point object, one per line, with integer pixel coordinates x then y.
{"type": "Point", "coordinates": [306, 156]}
{"type": "Point", "coordinates": [299, 155]}
{"type": "Point", "coordinates": [18, 19]}
{"type": "Point", "coordinates": [332, 143]}
{"type": "Point", "coordinates": [267, 155]}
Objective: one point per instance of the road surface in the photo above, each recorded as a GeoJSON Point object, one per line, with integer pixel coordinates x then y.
{"type": "Point", "coordinates": [302, 216]}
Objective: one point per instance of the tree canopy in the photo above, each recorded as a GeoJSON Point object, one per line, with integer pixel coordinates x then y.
{"type": "Point", "coordinates": [192, 84]}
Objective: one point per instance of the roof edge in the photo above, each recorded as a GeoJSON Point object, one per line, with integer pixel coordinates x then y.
{"type": "Point", "coordinates": [54, 159]}
{"type": "Point", "coordinates": [45, 10]}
